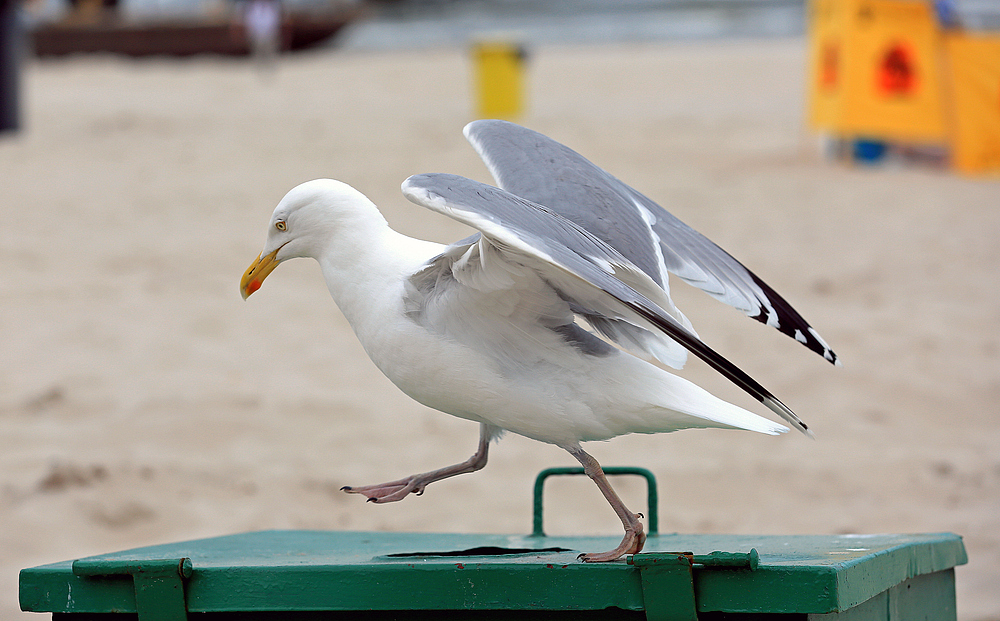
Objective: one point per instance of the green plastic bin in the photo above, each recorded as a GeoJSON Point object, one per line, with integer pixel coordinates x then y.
{"type": "Point", "coordinates": [369, 575]}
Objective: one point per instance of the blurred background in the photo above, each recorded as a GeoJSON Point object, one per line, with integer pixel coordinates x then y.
{"type": "Point", "coordinates": [845, 150]}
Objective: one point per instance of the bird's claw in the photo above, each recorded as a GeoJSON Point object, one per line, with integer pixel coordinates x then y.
{"type": "Point", "coordinates": [387, 492]}
{"type": "Point", "coordinates": [632, 543]}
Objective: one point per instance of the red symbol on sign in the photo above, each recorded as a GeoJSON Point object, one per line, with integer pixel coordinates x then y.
{"type": "Point", "coordinates": [897, 71]}
{"type": "Point", "coordinates": [829, 66]}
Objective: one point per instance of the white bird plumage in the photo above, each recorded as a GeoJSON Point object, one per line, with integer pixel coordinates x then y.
{"type": "Point", "coordinates": [488, 329]}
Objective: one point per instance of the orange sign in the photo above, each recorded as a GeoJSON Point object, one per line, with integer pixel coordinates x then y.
{"type": "Point", "coordinates": [875, 72]}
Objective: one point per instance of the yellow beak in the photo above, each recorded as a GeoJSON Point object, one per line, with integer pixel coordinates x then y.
{"type": "Point", "coordinates": [257, 272]}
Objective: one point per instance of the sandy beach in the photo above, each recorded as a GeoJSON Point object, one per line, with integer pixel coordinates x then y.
{"type": "Point", "coordinates": [143, 401]}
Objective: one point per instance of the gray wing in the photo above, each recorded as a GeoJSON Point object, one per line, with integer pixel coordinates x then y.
{"type": "Point", "coordinates": [594, 277]}
{"type": "Point", "coordinates": [544, 171]}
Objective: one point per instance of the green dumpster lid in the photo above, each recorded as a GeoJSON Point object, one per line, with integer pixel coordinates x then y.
{"type": "Point", "coordinates": [349, 571]}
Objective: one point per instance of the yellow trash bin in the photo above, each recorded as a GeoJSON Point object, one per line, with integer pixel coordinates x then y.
{"type": "Point", "coordinates": [499, 79]}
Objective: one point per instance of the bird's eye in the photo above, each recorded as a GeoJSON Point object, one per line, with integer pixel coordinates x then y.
{"type": "Point", "coordinates": [280, 225]}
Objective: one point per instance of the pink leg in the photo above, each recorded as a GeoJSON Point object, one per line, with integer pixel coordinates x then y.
{"type": "Point", "coordinates": [634, 536]}
{"type": "Point", "coordinates": [415, 484]}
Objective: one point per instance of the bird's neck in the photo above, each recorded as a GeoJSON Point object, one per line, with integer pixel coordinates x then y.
{"type": "Point", "coordinates": [365, 272]}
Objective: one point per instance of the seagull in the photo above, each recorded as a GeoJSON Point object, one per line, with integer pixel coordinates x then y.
{"type": "Point", "coordinates": [554, 321]}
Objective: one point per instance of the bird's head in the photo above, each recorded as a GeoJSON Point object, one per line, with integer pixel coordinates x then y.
{"type": "Point", "coordinates": [302, 225]}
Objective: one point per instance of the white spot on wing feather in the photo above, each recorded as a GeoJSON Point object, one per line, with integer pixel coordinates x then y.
{"type": "Point", "coordinates": [827, 352]}
{"type": "Point", "coordinates": [772, 317]}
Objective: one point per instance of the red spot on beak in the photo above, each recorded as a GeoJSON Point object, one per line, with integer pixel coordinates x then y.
{"type": "Point", "coordinates": [253, 286]}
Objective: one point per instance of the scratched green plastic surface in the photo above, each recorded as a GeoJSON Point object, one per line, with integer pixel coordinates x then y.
{"type": "Point", "coordinates": [310, 570]}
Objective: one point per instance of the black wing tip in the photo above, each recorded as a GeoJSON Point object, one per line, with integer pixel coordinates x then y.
{"type": "Point", "coordinates": [791, 323]}
{"type": "Point", "coordinates": [786, 413]}
{"type": "Point", "coordinates": [719, 362]}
